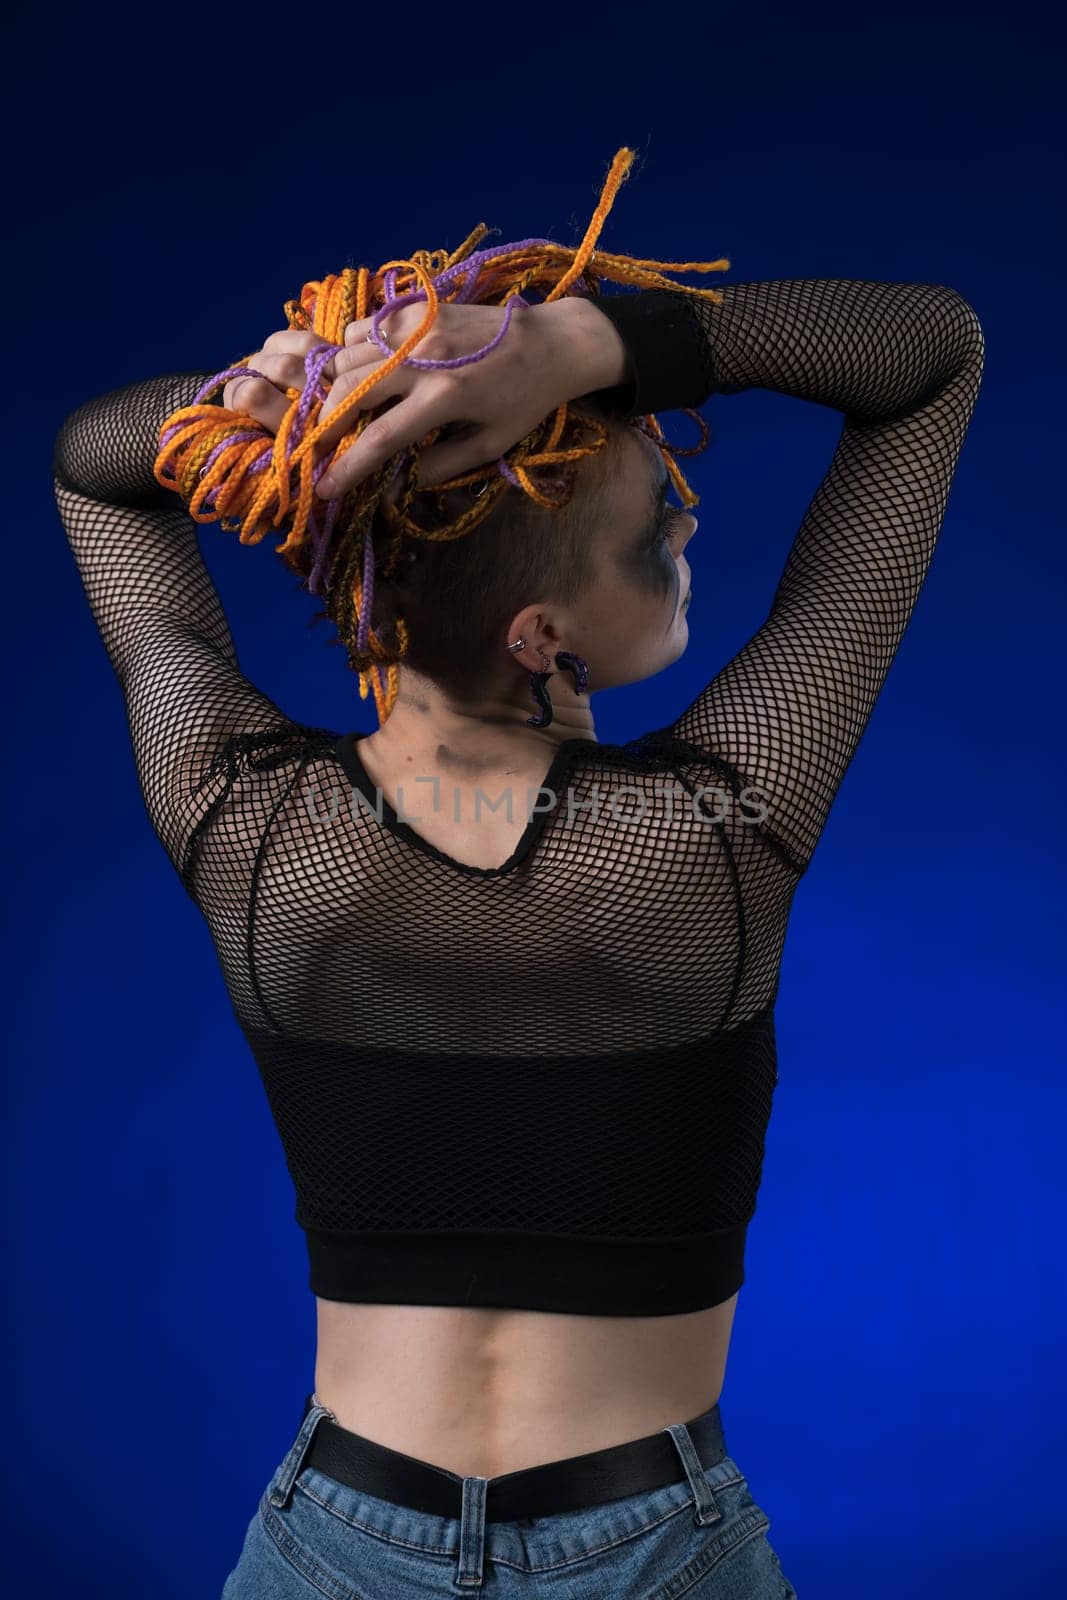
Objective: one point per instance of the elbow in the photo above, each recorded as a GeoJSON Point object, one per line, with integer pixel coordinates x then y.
{"type": "Point", "coordinates": [968, 328]}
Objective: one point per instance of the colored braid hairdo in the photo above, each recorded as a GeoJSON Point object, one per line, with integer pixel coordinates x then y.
{"type": "Point", "coordinates": [443, 611]}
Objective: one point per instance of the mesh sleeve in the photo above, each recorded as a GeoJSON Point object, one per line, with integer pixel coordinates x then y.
{"type": "Point", "coordinates": [903, 363]}
{"type": "Point", "coordinates": [153, 600]}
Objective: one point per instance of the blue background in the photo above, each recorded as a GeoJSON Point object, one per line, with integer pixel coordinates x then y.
{"type": "Point", "coordinates": [895, 1388]}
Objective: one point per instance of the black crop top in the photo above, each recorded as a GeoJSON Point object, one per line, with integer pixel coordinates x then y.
{"type": "Point", "coordinates": [544, 1085]}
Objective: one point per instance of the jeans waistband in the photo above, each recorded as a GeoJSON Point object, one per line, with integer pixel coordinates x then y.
{"type": "Point", "coordinates": [682, 1450]}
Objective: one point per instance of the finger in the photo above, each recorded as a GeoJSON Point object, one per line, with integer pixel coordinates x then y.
{"type": "Point", "coordinates": [298, 346]}
{"type": "Point", "coordinates": [396, 327]}
{"type": "Point", "coordinates": [283, 372]}
{"type": "Point", "coordinates": [403, 424]}
{"type": "Point", "coordinates": [283, 359]}
{"type": "Point", "coordinates": [261, 400]}
{"type": "Point", "coordinates": [355, 356]}
{"type": "Point", "coordinates": [444, 461]}
{"type": "Point", "coordinates": [291, 349]}
{"type": "Point", "coordinates": [355, 366]}
{"type": "Point", "coordinates": [290, 341]}
{"type": "Point", "coordinates": [392, 387]}
{"type": "Point", "coordinates": [357, 330]}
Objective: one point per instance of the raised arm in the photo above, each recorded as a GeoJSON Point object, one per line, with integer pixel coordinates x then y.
{"type": "Point", "coordinates": [154, 602]}
{"type": "Point", "coordinates": [903, 363]}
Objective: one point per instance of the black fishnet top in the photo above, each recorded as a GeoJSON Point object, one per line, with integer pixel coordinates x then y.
{"type": "Point", "coordinates": [544, 1085]}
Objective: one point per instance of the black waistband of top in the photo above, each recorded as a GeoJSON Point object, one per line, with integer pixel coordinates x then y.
{"type": "Point", "coordinates": [538, 1272]}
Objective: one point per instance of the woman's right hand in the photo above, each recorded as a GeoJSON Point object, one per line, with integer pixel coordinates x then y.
{"type": "Point", "coordinates": [550, 354]}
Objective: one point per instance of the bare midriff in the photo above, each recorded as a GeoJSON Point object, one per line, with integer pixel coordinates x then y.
{"type": "Point", "coordinates": [485, 1392]}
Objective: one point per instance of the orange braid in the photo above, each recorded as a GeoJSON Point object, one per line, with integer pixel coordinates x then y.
{"type": "Point", "coordinates": [255, 502]}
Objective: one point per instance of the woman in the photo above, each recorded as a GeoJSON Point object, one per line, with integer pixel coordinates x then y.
{"type": "Point", "coordinates": [511, 988]}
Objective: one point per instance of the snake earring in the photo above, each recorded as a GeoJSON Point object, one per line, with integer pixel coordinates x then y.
{"type": "Point", "coordinates": [575, 665]}
{"type": "Point", "coordinates": [538, 680]}
{"type": "Point", "coordinates": [578, 669]}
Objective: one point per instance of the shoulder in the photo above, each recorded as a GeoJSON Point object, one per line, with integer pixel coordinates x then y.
{"type": "Point", "coordinates": [270, 748]}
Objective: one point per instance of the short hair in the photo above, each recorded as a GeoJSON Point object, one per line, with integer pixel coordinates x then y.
{"type": "Point", "coordinates": [457, 596]}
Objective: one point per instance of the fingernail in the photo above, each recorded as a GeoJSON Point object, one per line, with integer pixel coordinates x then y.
{"type": "Point", "coordinates": [327, 487]}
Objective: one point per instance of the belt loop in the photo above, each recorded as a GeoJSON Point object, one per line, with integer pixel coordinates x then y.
{"type": "Point", "coordinates": [472, 1534]}
{"type": "Point", "coordinates": [281, 1485]}
{"type": "Point", "coordinates": [707, 1510]}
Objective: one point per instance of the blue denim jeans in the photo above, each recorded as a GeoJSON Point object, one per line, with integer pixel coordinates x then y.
{"type": "Point", "coordinates": [703, 1538]}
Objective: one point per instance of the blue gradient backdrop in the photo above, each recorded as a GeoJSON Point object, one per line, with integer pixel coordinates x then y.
{"type": "Point", "coordinates": [895, 1389]}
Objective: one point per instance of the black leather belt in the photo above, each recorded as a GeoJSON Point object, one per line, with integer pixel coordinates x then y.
{"type": "Point", "coordinates": [544, 1491]}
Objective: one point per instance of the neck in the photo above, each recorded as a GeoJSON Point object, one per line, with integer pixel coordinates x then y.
{"type": "Point", "coordinates": [467, 739]}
